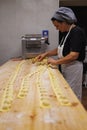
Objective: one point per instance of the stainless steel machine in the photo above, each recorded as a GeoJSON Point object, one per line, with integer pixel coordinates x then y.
{"type": "Point", "coordinates": [32, 45]}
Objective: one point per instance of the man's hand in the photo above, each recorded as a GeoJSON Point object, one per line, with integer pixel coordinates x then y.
{"type": "Point", "coordinates": [41, 57]}
{"type": "Point", "coordinates": [51, 61]}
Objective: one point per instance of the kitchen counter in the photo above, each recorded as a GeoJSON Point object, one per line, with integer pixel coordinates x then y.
{"type": "Point", "coordinates": [37, 97]}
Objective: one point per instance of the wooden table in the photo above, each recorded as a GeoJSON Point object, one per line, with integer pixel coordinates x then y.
{"type": "Point", "coordinates": [37, 97]}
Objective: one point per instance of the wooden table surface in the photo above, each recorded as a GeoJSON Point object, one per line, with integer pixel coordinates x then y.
{"type": "Point", "coordinates": [37, 97]}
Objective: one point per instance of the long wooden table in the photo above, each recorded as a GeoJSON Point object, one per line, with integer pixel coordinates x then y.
{"type": "Point", "coordinates": [37, 97]}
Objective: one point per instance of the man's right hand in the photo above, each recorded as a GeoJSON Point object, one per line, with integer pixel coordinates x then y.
{"type": "Point", "coordinates": [41, 57]}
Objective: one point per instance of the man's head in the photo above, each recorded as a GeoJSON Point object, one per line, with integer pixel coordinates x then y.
{"type": "Point", "coordinates": [63, 18]}
{"type": "Point", "coordinates": [64, 14]}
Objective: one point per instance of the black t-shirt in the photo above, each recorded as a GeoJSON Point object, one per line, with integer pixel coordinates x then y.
{"type": "Point", "coordinates": [75, 42]}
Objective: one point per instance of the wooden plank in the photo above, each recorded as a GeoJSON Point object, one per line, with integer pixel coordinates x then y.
{"type": "Point", "coordinates": [41, 99]}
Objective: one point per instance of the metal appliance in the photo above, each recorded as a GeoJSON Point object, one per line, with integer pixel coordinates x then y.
{"type": "Point", "coordinates": [32, 45]}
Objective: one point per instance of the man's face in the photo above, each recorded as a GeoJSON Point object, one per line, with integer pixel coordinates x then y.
{"type": "Point", "coordinates": [61, 26]}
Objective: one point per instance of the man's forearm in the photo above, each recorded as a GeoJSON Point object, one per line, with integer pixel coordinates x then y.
{"type": "Point", "coordinates": [52, 52]}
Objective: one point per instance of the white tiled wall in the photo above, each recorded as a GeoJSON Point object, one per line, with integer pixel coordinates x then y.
{"type": "Point", "coordinates": [18, 17]}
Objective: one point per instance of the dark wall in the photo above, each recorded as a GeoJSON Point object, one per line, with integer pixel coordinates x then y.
{"type": "Point", "coordinates": [81, 14]}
